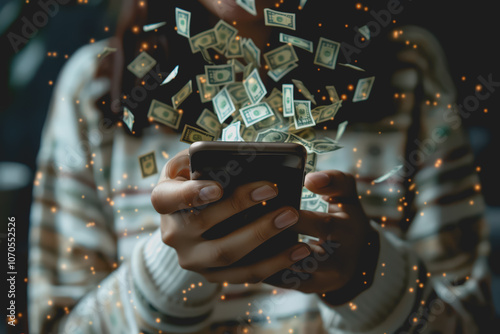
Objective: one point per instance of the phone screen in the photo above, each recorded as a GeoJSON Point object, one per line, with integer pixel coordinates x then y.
{"type": "Point", "coordinates": [241, 163]}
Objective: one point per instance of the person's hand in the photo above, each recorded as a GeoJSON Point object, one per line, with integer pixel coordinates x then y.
{"type": "Point", "coordinates": [343, 232]}
{"type": "Point", "coordinates": [188, 208]}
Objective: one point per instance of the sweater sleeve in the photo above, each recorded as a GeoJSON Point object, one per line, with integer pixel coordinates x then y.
{"type": "Point", "coordinates": [433, 277]}
{"type": "Point", "coordinates": [76, 283]}
{"type": "Point", "coordinates": [150, 293]}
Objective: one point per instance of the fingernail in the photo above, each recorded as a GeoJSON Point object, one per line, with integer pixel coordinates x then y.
{"type": "Point", "coordinates": [319, 179]}
{"type": "Point", "coordinates": [285, 219]}
{"type": "Point", "coordinates": [210, 193]}
{"type": "Point", "coordinates": [300, 253]}
{"type": "Point", "coordinates": [263, 193]}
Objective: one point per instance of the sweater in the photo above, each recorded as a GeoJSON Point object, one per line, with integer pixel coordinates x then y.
{"type": "Point", "coordinates": [97, 263]}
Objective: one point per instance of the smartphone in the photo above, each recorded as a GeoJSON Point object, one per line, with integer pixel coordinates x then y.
{"type": "Point", "coordinates": [236, 163]}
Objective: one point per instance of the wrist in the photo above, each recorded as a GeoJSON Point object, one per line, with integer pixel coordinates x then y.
{"type": "Point", "coordinates": [363, 275]}
{"type": "Point", "coordinates": [161, 280]}
{"type": "Point", "coordinates": [389, 299]}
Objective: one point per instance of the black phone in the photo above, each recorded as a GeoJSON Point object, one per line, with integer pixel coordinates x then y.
{"type": "Point", "coordinates": [236, 163]}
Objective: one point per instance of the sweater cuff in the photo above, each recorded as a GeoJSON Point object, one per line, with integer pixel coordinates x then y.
{"type": "Point", "coordinates": [389, 296]}
{"type": "Point", "coordinates": [182, 297]}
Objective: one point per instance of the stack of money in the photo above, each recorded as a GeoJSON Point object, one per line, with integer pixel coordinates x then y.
{"type": "Point", "coordinates": [237, 104]}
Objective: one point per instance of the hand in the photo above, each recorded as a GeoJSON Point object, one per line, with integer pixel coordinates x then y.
{"type": "Point", "coordinates": [188, 208]}
{"type": "Point", "coordinates": [344, 233]}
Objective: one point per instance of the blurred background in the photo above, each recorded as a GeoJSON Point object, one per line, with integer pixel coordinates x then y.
{"type": "Point", "coordinates": [30, 65]}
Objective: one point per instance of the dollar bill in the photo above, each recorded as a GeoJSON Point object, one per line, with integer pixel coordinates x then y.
{"type": "Point", "coordinates": [277, 136]}
{"type": "Point", "coordinates": [318, 205]}
{"type": "Point", "coordinates": [307, 238]}
{"type": "Point", "coordinates": [237, 92]}
{"type": "Point", "coordinates": [153, 26]}
{"type": "Point", "coordinates": [327, 53]}
{"type": "Point", "coordinates": [332, 92]}
{"type": "Point", "coordinates": [206, 55]}
{"type": "Point", "coordinates": [357, 68]}
{"type": "Point", "coordinates": [297, 41]}
{"type": "Point", "coordinates": [272, 122]}
{"type": "Point", "coordinates": [234, 48]}
{"type": "Point", "coordinates": [281, 56]}
{"type": "Point", "coordinates": [165, 114]}
{"type": "Point", "coordinates": [128, 118]}
{"type": "Point", "coordinates": [183, 22]}
{"type": "Point", "coordinates": [303, 90]}
{"type": "Point", "coordinates": [208, 121]}
{"type": "Point", "coordinates": [275, 100]}
{"type": "Point", "coordinates": [248, 133]}
{"type": "Point", "coordinates": [297, 140]}
{"type": "Point", "coordinates": [311, 161]}
{"type": "Point", "coordinates": [326, 112]}
{"type": "Point", "coordinates": [388, 175]}
{"type": "Point", "coordinates": [307, 134]}
{"type": "Point", "coordinates": [325, 145]}
{"type": "Point", "coordinates": [341, 130]}
{"type": "Point", "coordinates": [279, 19]}
{"type": "Point", "coordinates": [365, 31]}
{"type": "Point", "coordinates": [182, 94]}
{"type": "Point", "coordinates": [171, 76]}
{"type": "Point", "coordinates": [288, 105]}
{"type": "Point", "coordinates": [219, 74]}
{"type": "Point", "coordinates": [272, 136]}
{"type": "Point", "coordinates": [248, 5]}
{"type": "Point", "coordinates": [236, 117]}
{"type": "Point", "coordinates": [307, 195]}
{"type": "Point", "coordinates": [363, 89]}
{"type": "Point", "coordinates": [224, 32]}
{"type": "Point", "coordinates": [254, 87]}
{"type": "Point", "coordinates": [279, 73]}
{"type": "Point", "coordinates": [206, 92]}
{"type": "Point", "coordinates": [205, 40]}
{"type": "Point", "coordinates": [251, 52]}
{"type": "Point", "coordinates": [190, 134]}
{"type": "Point", "coordinates": [223, 105]}
{"type": "Point", "coordinates": [142, 64]}
{"type": "Point", "coordinates": [255, 113]}
{"type": "Point", "coordinates": [147, 163]}
{"type": "Point", "coordinates": [232, 132]}
{"type": "Point", "coordinates": [247, 70]}
{"type": "Point", "coordinates": [106, 51]}
{"type": "Point", "coordinates": [302, 116]}
{"type": "Point", "coordinates": [237, 65]}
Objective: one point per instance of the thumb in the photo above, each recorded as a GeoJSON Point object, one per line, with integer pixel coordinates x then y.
{"type": "Point", "coordinates": [333, 183]}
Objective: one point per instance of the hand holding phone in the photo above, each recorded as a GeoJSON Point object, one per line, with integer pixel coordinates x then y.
{"type": "Point", "coordinates": [233, 164]}
{"type": "Point", "coordinates": [348, 246]}
{"type": "Point", "coordinates": [190, 208]}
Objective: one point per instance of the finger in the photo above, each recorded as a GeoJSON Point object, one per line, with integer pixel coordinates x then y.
{"type": "Point", "coordinates": [319, 224]}
{"type": "Point", "coordinates": [178, 166]}
{"type": "Point", "coordinates": [173, 195]}
{"type": "Point", "coordinates": [333, 183]}
{"type": "Point", "coordinates": [324, 257]}
{"type": "Point", "coordinates": [237, 244]}
{"type": "Point", "coordinates": [334, 205]}
{"type": "Point", "coordinates": [261, 270]}
{"type": "Point", "coordinates": [242, 198]}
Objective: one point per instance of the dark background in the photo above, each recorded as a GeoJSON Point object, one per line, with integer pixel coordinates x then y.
{"type": "Point", "coordinates": [468, 32]}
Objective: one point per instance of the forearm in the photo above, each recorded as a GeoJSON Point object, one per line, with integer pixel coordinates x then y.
{"type": "Point", "coordinates": [148, 293]}
{"type": "Point", "coordinates": [183, 300]}
{"type": "Point", "coordinates": [406, 298]}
